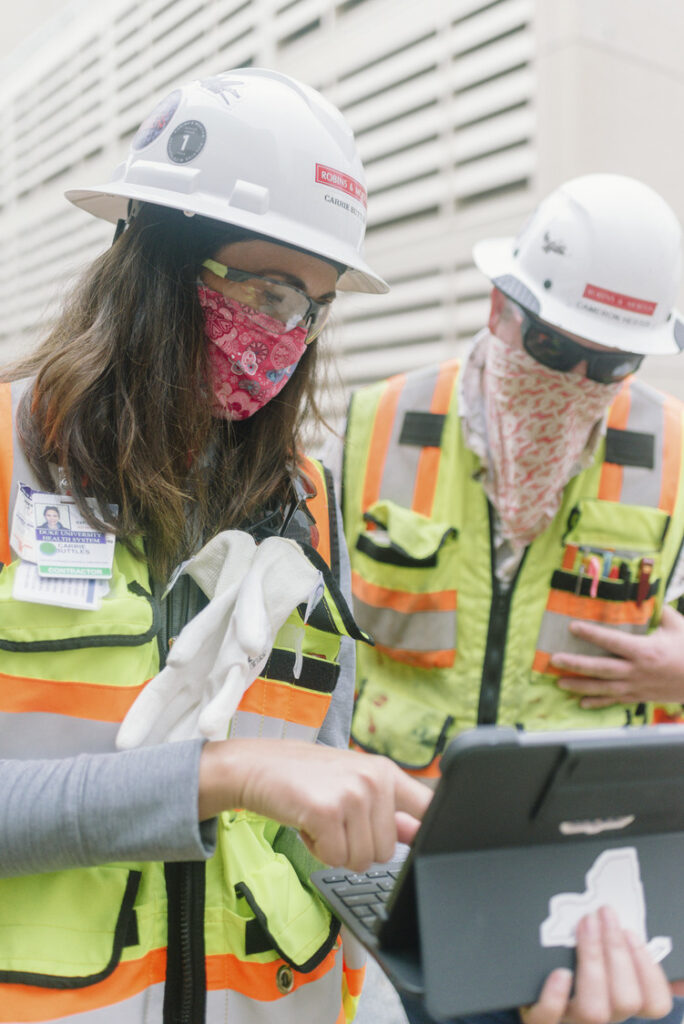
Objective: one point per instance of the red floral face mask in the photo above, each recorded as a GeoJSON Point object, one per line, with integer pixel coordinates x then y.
{"type": "Point", "coordinates": [539, 422]}
{"type": "Point", "coordinates": [249, 360]}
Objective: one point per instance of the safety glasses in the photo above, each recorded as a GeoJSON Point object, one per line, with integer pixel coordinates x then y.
{"type": "Point", "coordinates": [553, 349]}
{"type": "Point", "coordinates": [274, 305]}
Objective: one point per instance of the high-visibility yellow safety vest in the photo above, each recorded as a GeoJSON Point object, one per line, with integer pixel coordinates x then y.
{"type": "Point", "coordinates": [241, 938]}
{"type": "Point", "coordinates": [453, 648]}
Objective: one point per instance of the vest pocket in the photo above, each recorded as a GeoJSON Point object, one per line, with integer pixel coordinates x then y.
{"type": "Point", "coordinates": [128, 617]}
{"type": "Point", "coordinates": [66, 930]}
{"type": "Point", "coordinates": [610, 574]}
{"type": "Point", "coordinates": [392, 723]}
{"type": "Point", "coordinates": [404, 571]}
{"type": "Point", "coordinates": [285, 914]}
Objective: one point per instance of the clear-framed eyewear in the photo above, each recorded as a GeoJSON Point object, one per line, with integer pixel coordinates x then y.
{"type": "Point", "coordinates": [274, 305]}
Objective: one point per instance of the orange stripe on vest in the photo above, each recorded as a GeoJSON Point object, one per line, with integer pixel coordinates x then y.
{"type": "Point", "coordinates": [569, 557]}
{"type": "Point", "coordinates": [672, 455]}
{"type": "Point", "coordinates": [94, 701]}
{"type": "Point", "coordinates": [610, 484]}
{"type": "Point", "coordinates": [403, 600]}
{"type": "Point", "coordinates": [420, 659]}
{"type": "Point", "coordinates": [6, 467]}
{"type": "Point", "coordinates": [101, 703]}
{"type": "Point", "coordinates": [661, 716]}
{"type": "Point", "coordinates": [428, 462]}
{"type": "Point", "coordinates": [258, 981]}
{"type": "Point", "coordinates": [355, 979]}
{"type": "Point", "coordinates": [28, 1003]}
{"type": "Point", "coordinates": [272, 699]}
{"type": "Point", "coordinates": [542, 663]}
{"type": "Point", "coordinates": [380, 439]}
{"type": "Point", "coordinates": [578, 607]}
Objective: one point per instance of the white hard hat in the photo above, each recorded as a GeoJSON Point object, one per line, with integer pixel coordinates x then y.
{"type": "Point", "coordinates": [255, 149]}
{"type": "Point", "coordinates": [599, 258]}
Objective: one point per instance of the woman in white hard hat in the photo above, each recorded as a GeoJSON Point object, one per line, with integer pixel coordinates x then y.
{"type": "Point", "coordinates": [166, 404]}
{"type": "Point", "coordinates": [164, 408]}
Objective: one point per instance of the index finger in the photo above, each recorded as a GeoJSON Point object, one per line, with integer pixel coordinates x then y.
{"type": "Point", "coordinates": [410, 795]}
{"type": "Point", "coordinates": [406, 826]}
{"type": "Point", "coordinates": [617, 641]}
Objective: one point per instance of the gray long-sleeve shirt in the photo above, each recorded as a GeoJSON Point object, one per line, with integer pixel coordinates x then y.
{"type": "Point", "coordinates": [135, 805]}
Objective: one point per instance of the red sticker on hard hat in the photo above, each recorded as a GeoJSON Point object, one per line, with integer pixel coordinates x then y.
{"type": "Point", "coordinates": [628, 302]}
{"type": "Point", "coordinates": [157, 121]}
{"type": "Point", "coordinates": [343, 182]}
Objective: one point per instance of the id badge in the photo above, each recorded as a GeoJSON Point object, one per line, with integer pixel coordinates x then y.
{"type": "Point", "coordinates": [50, 534]}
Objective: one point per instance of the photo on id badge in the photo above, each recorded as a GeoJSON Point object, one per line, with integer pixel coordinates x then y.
{"type": "Point", "coordinates": [56, 518]}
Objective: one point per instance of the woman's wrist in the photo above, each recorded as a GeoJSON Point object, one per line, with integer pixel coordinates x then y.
{"type": "Point", "coordinates": [220, 784]}
{"type": "Point", "coordinates": [246, 772]}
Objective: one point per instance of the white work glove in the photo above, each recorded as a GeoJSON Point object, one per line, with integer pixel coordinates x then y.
{"type": "Point", "coordinates": [223, 649]}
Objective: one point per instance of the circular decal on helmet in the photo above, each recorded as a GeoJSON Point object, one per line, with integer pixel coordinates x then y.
{"type": "Point", "coordinates": [156, 122]}
{"type": "Point", "coordinates": [186, 141]}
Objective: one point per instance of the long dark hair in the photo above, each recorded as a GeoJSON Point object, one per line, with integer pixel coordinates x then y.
{"type": "Point", "coordinates": [120, 399]}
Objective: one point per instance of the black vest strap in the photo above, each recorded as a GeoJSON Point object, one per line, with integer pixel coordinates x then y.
{"type": "Point", "coordinates": [423, 429]}
{"type": "Point", "coordinates": [630, 448]}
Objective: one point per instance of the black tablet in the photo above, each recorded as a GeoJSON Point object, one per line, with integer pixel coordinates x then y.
{"type": "Point", "coordinates": [527, 832]}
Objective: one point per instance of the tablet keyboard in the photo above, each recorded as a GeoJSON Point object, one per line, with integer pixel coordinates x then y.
{"type": "Point", "coordinates": [366, 894]}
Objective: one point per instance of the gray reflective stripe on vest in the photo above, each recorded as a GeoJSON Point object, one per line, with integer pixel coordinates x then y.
{"type": "Point", "coordinates": [555, 636]}
{"type": "Point", "coordinates": [38, 734]}
{"type": "Point", "coordinates": [249, 724]}
{"type": "Point", "coordinates": [139, 1009]}
{"type": "Point", "coordinates": [641, 486]}
{"type": "Point", "coordinates": [418, 631]}
{"type": "Point", "coordinates": [319, 1000]}
{"type": "Point", "coordinates": [401, 465]}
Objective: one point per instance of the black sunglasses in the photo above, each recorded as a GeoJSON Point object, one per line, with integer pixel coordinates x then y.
{"type": "Point", "coordinates": [553, 349]}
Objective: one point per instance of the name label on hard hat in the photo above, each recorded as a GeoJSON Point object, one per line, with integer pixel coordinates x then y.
{"type": "Point", "coordinates": [610, 298]}
{"type": "Point", "coordinates": [344, 182]}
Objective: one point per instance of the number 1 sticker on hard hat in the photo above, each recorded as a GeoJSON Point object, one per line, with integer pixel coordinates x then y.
{"type": "Point", "coordinates": [186, 141]}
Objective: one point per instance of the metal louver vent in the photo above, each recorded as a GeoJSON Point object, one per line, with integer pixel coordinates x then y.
{"type": "Point", "coordinates": [439, 93]}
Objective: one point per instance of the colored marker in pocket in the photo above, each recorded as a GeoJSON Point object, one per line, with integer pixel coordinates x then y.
{"type": "Point", "coordinates": [594, 571]}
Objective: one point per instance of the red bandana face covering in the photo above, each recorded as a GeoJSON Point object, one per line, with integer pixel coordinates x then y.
{"type": "Point", "coordinates": [539, 423]}
{"type": "Point", "coordinates": [249, 362]}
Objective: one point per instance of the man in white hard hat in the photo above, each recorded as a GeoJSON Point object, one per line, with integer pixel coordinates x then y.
{"type": "Point", "coordinates": [521, 517]}
{"type": "Point", "coordinates": [515, 525]}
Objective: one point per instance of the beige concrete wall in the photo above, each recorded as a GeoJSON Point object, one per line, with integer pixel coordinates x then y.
{"type": "Point", "coordinates": [608, 93]}
{"type": "Point", "coordinates": [610, 98]}
{"type": "Point", "coordinates": [21, 20]}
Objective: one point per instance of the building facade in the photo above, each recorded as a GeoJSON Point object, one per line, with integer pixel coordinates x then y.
{"type": "Point", "coordinates": [466, 112]}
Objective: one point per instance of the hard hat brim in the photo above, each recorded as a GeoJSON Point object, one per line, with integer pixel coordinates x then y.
{"type": "Point", "coordinates": [495, 258]}
{"type": "Point", "coordinates": [110, 202]}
